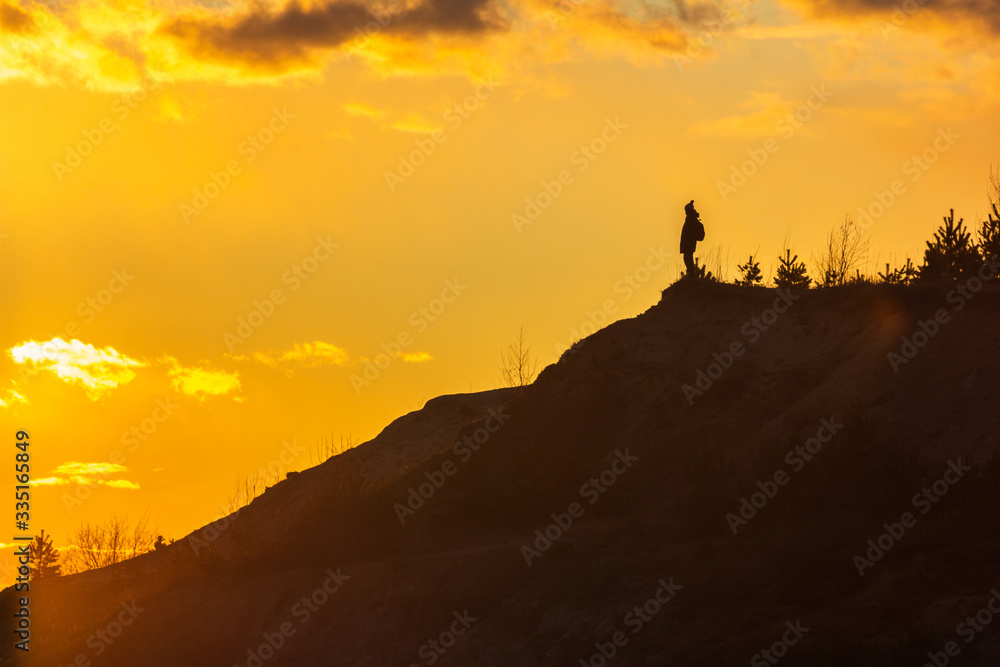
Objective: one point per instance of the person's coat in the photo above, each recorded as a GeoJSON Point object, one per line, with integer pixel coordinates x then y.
{"type": "Point", "coordinates": [692, 232]}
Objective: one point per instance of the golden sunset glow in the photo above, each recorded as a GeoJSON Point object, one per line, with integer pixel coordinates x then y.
{"type": "Point", "coordinates": [227, 226]}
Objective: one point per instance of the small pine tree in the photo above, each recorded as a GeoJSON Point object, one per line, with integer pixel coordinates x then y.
{"type": "Point", "coordinates": [44, 558]}
{"type": "Point", "coordinates": [989, 235]}
{"type": "Point", "coordinates": [832, 277]}
{"type": "Point", "coordinates": [750, 274]}
{"type": "Point", "coordinates": [859, 279]}
{"type": "Point", "coordinates": [952, 253]}
{"type": "Point", "coordinates": [792, 272]}
{"type": "Point", "coordinates": [904, 275]}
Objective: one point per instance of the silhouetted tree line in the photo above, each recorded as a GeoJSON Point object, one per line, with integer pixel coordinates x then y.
{"type": "Point", "coordinates": [953, 253]}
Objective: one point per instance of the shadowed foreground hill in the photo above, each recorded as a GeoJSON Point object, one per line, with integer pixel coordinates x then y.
{"type": "Point", "coordinates": [653, 472]}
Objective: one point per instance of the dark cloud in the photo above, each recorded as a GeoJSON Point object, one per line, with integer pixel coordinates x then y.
{"type": "Point", "coordinates": [15, 20]}
{"type": "Point", "coordinates": [292, 33]}
{"type": "Point", "coordinates": [986, 12]}
{"type": "Point", "coordinates": [445, 16]}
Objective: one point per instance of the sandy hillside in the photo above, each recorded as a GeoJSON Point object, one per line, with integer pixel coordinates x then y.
{"type": "Point", "coordinates": [647, 480]}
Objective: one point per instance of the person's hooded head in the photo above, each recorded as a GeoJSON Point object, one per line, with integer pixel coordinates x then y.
{"type": "Point", "coordinates": [689, 208]}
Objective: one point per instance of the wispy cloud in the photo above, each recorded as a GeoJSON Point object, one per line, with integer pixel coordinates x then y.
{"type": "Point", "coordinates": [414, 124]}
{"type": "Point", "coordinates": [87, 474]}
{"type": "Point", "coordinates": [170, 110]}
{"type": "Point", "coordinates": [97, 468]}
{"type": "Point", "coordinates": [201, 382]}
{"type": "Point", "coordinates": [763, 111]}
{"type": "Point", "coordinates": [310, 355]}
{"type": "Point", "coordinates": [99, 370]}
{"type": "Point", "coordinates": [359, 109]}
{"type": "Point", "coordinates": [122, 484]}
{"type": "Point", "coordinates": [10, 398]}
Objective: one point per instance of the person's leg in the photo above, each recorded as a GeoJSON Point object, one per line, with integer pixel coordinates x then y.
{"type": "Point", "coordinates": [689, 263]}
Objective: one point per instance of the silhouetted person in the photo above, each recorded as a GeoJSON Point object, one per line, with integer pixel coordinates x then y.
{"type": "Point", "coordinates": [692, 232]}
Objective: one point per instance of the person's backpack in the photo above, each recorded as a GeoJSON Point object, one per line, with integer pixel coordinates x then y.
{"type": "Point", "coordinates": [701, 231]}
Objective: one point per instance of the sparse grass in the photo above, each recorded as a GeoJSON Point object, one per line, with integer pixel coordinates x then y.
{"type": "Point", "coordinates": [326, 447]}
{"type": "Point", "coordinates": [246, 489]}
{"type": "Point", "coordinates": [717, 263]}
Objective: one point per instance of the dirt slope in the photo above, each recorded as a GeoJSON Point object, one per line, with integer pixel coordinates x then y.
{"type": "Point", "coordinates": [669, 476]}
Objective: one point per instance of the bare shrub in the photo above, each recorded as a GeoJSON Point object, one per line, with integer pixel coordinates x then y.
{"type": "Point", "coordinates": [113, 541]}
{"type": "Point", "coordinates": [843, 255]}
{"type": "Point", "coordinates": [517, 367]}
{"type": "Point", "coordinates": [246, 489]}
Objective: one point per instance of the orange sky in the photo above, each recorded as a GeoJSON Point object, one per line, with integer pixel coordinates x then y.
{"type": "Point", "coordinates": [169, 169]}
